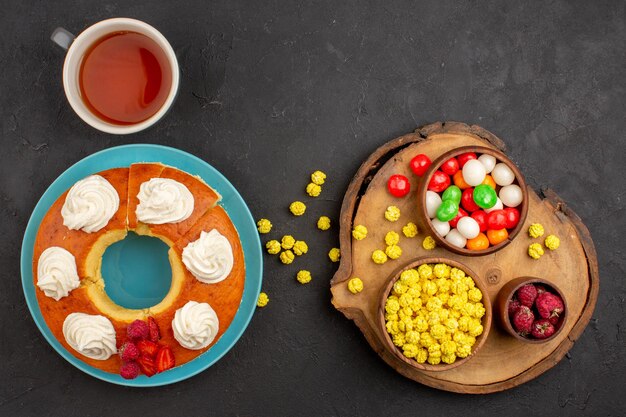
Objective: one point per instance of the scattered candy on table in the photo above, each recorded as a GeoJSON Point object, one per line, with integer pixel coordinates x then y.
{"type": "Point", "coordinates": [552, 242]}
{"type": "Point", "coordinates": [318, 177]}
{"type": "Point", "coordinates": [287, 257]}
{"type": "Point", "coordinates": [287, 242]}
{"type": "Point", "coordinates": [262, 300]}
{"type": "Point", "coordinates": [273, 247]}
{"type": "Point", "coordinates": [303, 276]}
{"type": "Point", "coordinates": [264, 226]}
{"type": "Point", "coordinates": [393, 251]}
{"type": "Point", "coordinates": [359, 232]}
{"type": "Point", "coordinates": [300, 247]}
{"type": "Point", "coordinates": [313, 189]}
{"type": "Point", "coordinates": [323, 223]}
{"type": "Point", "coordinates": [392, 213]}
{"type": "Point", "coordinates": [297, 208]}
{"type": "Point", "coordinates": [535, 251]}
{"type": "Point", "coordinates": [392, 238]}
{"type": "Point", "coordinates": [379, 257]}
{"type": "Point", "coordinates": [398, 185]}
{"type": "Point", "coordinates": [410, 230]}
{"type": "Point", "coordinates": [355, 285]}
{"type": "Point", "coordinates": [535, 230]}
{"type": "Point", "coordinates": [429, 243]}
{"type": "Point", "coordinates": [334, 254]}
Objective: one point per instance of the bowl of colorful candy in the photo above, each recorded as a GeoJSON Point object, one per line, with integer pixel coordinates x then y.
{"type": "Point", "coordinates": [433, 315]}
{"type": "Point", "coordinates": [531, 309]}
{"type": "Point", "coordinates": [474, 200]}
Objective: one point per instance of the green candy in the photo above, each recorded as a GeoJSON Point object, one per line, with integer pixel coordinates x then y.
{"type": "Point", "coordinates": [447, 210]}
{"type": "Point", "coordinates": [452, 193]}
{"type": "Point", "coordinates": [485, 196]}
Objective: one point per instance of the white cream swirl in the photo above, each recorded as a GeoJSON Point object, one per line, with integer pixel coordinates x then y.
{"type": "Point", "coordinates": [90, 204]}
{"type": "Point", "coordinates": [56, 273]}
{"type": "Point", "coordinates": [163, 200]}
{"type": "Point", "coordinates": [195, 325]}
{"type": "Point", "coordinates": [90, 335]}
{"type": "Point", "coordinates": [210, 258]}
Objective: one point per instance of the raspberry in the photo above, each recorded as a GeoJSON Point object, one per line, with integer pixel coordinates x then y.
{"type": "Point", "coordinates": [138, 330]}
{"type": "Point", "coordinates": [542, 329]}
{"type": "Point", "coordinates": [523, 320]}
{"type": "Point", "coordinates": [155, 333]}
{"type": "Point", "coordinates": [527, 294]}
{"type": "Point", "coordinates": [129, 352]}
{"type": "Point", "coordinates": [129, 370]}
{"type": "Point", "coordinates": [549, 305]}
{"type": "Point", "coordinates": [514, 305]}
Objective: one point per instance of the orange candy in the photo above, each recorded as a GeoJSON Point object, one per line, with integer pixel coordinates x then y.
{"type": "Point", "coordinates": [480, 242]}
{"type": "Point", "coordinates": [489, 181]}
{"type": "Point", "coordinates": [497, 236]}
{"type": "Point", "coordinates": [459, 181]}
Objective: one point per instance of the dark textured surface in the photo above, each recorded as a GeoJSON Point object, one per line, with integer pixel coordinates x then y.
{"type": "Point", "coordinates": [273, 90]}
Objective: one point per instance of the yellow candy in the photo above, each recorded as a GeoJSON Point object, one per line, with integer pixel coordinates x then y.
{"type": "Point", "coordinates": [429, 243]}
{"type": "Point", "coordinates": [273, 247]}
{"type": "Point", "coordinates": [313, 189]}
{"type": "Point", "coordinates": [300, 247]}
{"type": "Point", "coordinates": [392, 213]}
{"type": "Point", "coordinates": [392, 327]}
{"type": "Point", "coordinates": [425, 271]}
{"type": "Point", "coordinates": [303, 276]}
{"type": "Point", "coordinates": [262, 300]}
{"type": "Point", "coordinates": [448, 358]}
{"type": "Point", "coordinates": [409, 277]}
{"type": "Point", "coordinates": [463, 351]}
{"type": "Point", "coordinates": [422, 355]}
{"type": "Point", "coordinates": [474, 295]}
{"type": "Point", "coordinates": [409, 350]}
{"type": "Point", "coordinates": [287, 257]}
{"type": "Point", "coordinates": [420, 324]}
{"type": "Point", "coordinates": [433, 304]}
{"type": "Point", "coordinates": [287, 242]}
{"type": "Point", "coordinates": [451, 324]}
{"type": "Point", "coordinates": [410, 230]}
{"type": "Point", "coordinates": [334, 254]}
{"type": "Point", "coordinates": [297, 208]}
{"type": "Point", "coordinates": [399, 288]}
{"type": "Point", "coordinates": [359, 232]}
{"type": "Point", "coordinates": [355, 286]}
{"type": "Point", "coordinates": [441, 271]}
{"type": "Point", "coordinates": [379, 257]}
{"type": "Point", "coordinates": [457, 274]}
{"type": "Point", "coordinates": [535, 230]}
{"type": "Point", "coordinates": [392, 238]}
{"type": "Point", "coordinates": [448, 348]}
{"type": "Point", "coordinates": [438, 331]}
{"type": "Point", "coordinates": [398, 339]}
{"type": "Point", "coordinates": [393, 251]}
{"type": "Point", "coordinates": [552, 242]}
{"type": "Point", "coordinates": [318, 177]}
{"type": "Point", "coordinates": [535, 251]}
{"type": "Point", "coordinates": [464, 323]}
{"type": "Point", "coordinates": [323, 223]}
{"type": "Point", "coordinates": [429, 288]}
{"type": "Point", "coordinates": [405, 300]}
{"type": "Point", "coordinates": [412, 337]}
{"type": "Point", "coordinates": [392, 305]}
{"type": "Point", "coordinates": [264, 226]}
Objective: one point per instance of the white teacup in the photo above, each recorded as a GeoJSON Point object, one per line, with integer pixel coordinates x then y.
{"type": "Point", "coordinates": [77, 47]}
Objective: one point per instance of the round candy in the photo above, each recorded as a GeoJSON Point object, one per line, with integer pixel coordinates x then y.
{"type": "Point", "coordinates": [456, 239]}
{"type": "Point", "coordinates": [496, 220]}
{"type": "Point", "coordinates": [480, 242]}
{"type": "Point", "coordinates": [481, 218]}
{"type": "Point", "coordinates": [420, 164]}
{"type": "Point", "coordinates": [488, 162]}
{"type": "Point", "coordinates": [447, 210]}
{"type": "Point", "coordinates": [497, 236]}
{"type": "Point", "coordinates": [464, 157]}
{"type": "Point", "coordinates": [473, 172]}
{"type": "Point", "coordinates": [467, 200]}
{"type": "Point", "coordinates": [398, 185]}
{"type": "Point", "coordinates": [452, 193]}
{"type": "Point", "coordinates": [502, 174]}
{"type": "Point", "coordinates": [485, 196]}
{"type": "Point", "coordinates": [497, 206]}
{"type": "Point", "coordinates": [439, 182]}
{"type": "Point", "coordinates": [468, 227]}
{"type": "Point", "coordinates": [459, 181]}
{"type": "Point", "coordinates": [511, 195]}
{"type": "Point", "coordinates": [461, 213]}
{"type": "Point", "coordinates": [450, 167]}
{"type": "Point", "coordinates": [512, 217]}
{"type": "Point", "coordinates": [489, 181]}
{"type": "Point", "coordinates": [442, 228]}
{"type": "Point", "coordinates": [433, 201]}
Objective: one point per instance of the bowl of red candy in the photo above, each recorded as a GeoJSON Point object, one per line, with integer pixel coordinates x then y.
{"type": "Point", "coordinates": [531, 309]}
{"type": "Point", "coordinates": [474, 200]}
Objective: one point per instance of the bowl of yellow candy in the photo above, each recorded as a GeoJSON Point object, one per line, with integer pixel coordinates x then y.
{"type": "Point", "coordinates": [433, 314]}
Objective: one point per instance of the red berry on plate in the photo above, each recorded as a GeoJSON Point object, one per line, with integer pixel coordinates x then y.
{"type": "Point", "coordinates": [481, 218]}
{"type": "Point", "coordinates": [523, 320]}
{"type": "Point", "coordinates": [542, 329]}
{"type": "Point", "coordinates": [138, 330]}
{"type": "Point", "coordinates": [147, 348]}
{"type": "Point", "coordinates": [450, 167]}
{"type": "Point", "coordinates": [129, 352]}
{"type": "Point", "coordinates": [461, 213]}
{"type": "Point", "coordinates": [165, 359]}
{"type": "Point", "coordinates": [467, 200]}
{"type": "Point", "coordinates": [129, 370]}
{"type": "Point", "coordinates": [496, 220]}
{"type": "Point", "coordinates": [512, 217]}
{"type": "Point", "coordinates": [154, 332]}
{"type": "Point", "coordinates": [147, 365]}
{"type": "Point", "coordinates": [398, 185]}
{"type": "Point", "coordinates": [420, 164]}
{"type": "Point", "coordinates": [549, 305]}
{"type": "Point", "coordinates": [464, 157]}
{"type": "Point", "coordinates": [527, 295]}
{"type": "Point", "coordinates": [439, 182]}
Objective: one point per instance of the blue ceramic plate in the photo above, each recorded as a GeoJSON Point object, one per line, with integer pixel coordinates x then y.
{"type": "Point", "coordinates": [115, 266]}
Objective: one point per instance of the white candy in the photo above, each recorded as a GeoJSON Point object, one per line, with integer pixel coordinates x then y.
{"type": "Point", "coordinates": [511, 195]}
{"type": "Point", "coordinates": [456, 239]}
{"type": "Point", "coordinates": [474, 172]}
{"type": "Point", "coordinates": [468, 227]}
{"type": "Point", "coordinates": [497, 206]}
{"type": "Point", "coordinates": [502, 174]}
{"type": "Point", "coordinates": [442, 228]}
{"type": "Point", "coordinates": [433, 201]}
{"type": "Point", "coordinates": [488, 162]}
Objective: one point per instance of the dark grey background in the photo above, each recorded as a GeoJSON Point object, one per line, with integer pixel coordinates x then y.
{"type": "Point", "coordinates": [273, 90]}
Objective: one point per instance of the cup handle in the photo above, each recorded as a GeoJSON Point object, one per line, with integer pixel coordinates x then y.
{"type": "Point", "coordinates": [62, 37]}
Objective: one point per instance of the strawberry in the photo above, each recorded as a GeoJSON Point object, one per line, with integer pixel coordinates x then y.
{"type": "Point", "coordinates": [514, 305]}
{"type": "Point", "coordinates": [527, 294]}
{"type": "Point", "coordinates": [549, 305]}
{"type": "Point", "coordinates": [153, 327]}
{"type": "Point", "coordinates": [129, 352]}
{"type": "Point", "coordinates": [147, 348]}
{"type": "Point", "coordinates": [165, 359]}
{"type": "Point", "coordinates": [523, 320]}
{"type": "Point", "coordinates": [147, 365]}
{"type": "Point", "coordinates": [137, 330]}
{"type": "Point", "coordinates": [129, 370]}
{"type": "Point", "coordinates": [542, 329]}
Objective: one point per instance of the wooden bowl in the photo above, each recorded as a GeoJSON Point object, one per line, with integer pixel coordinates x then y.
{"type": "Point", "coordinates": [500, 157]}
{"type": "Point", "coordinates": [506, 294]}
{"type": "Point", "coordinates": [485, 321]}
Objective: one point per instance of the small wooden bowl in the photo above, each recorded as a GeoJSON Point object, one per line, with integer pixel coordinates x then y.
{"type": "Point", "coordinates": [506, 294]}
{"type": "Point", "coordinates": [485, 320]}
{"type": "Point", "coordinates": [500, 157]}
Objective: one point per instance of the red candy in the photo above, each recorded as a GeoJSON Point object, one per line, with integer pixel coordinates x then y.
{"type": "Point", "coordinates": [420, 164]}
{"type": "Point", "coordinates": [467, 200]}
{"type": "Point", "coordinates": [496, 220]}
{"type": "Point", "coordinates": [512, 217]}
{"type": "Point", "coordinates": [481, 218]}
{"type": "Point", "coordinates": [439, 182]}
{"type": "Point", "coordinates": [450, 167]}
{"type": "Point", "coordinates": [398, 185]}
{"type": "Point", "coordinates": [464, 157]}
{"type": "Point", "coordinates": [461, 213]}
